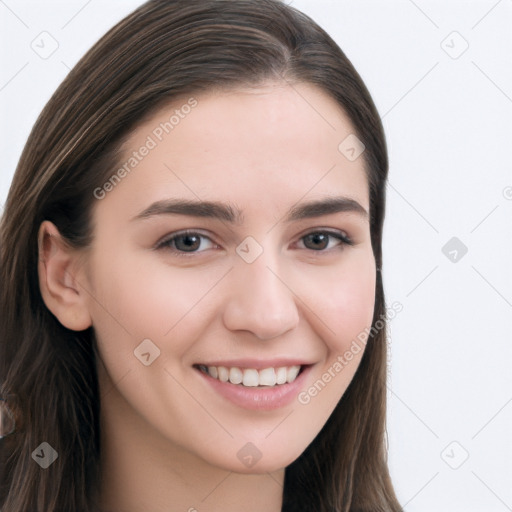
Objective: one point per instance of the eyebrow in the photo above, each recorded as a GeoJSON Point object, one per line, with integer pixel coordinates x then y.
{"type": "Point", "coordinates": [228, 213]}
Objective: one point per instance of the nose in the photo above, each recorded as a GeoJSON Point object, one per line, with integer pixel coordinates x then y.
{"type": "Point", "coordinates": [260, 301]}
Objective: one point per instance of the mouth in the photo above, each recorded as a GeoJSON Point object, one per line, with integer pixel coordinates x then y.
{"type": "Point", "coordinates": [256, 385]}
{"type": "Point", "coordinates": [251, 377]}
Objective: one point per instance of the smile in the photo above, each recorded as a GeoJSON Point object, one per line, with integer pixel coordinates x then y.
{"type": "Point", "coordinates": [251, 377]}
{"type": "Point", "coordinates": [256, 385]}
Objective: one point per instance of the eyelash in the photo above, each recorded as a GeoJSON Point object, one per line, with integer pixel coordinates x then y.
{"type": "Point", "coordinates": [166, 244]}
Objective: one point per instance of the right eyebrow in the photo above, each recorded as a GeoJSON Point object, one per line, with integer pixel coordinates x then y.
{"type": "Point", "coordinates": [212, 209]}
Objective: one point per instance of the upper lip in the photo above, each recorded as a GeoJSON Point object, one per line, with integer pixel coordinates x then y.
{"type": "Point", "coordinates": [257, 364]}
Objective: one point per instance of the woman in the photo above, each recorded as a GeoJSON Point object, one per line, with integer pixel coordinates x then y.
{"type": "Point", "coordinates": [193, 312]}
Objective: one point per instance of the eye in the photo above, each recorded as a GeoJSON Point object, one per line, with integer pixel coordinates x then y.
{"type": "Point", "coordinates": [321, 241]}
{"type": "Point", "coordinates": [190, 242]}
{"type": "Point", "coordinates": [186, 242]}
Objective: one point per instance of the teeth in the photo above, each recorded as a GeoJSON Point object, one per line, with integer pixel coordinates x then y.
{"type": "Point", "coordinates": [250, 377]}
{"type": "Point", "coordinates": [281, 375]}
{"type": "Point", "coordinates": [267, 377]}
{"type": "Point", "coordinates": [223, 373]}
{"type": "Point", "coordinates": [236, 376]}
{"type": "Point", "coordinates": [291, 373]}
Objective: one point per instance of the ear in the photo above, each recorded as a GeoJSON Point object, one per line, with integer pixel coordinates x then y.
{"type": "Point", "coordinates": [59, 276]}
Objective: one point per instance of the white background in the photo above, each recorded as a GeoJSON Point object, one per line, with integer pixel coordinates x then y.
{"type": "Point", "coordinates": [448, 120]}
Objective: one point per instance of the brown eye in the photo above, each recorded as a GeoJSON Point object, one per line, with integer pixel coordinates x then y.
{"type": "Point", "coordinates": [186, 242]}
{"type": "Point", "coordinates": [321, 240]}
{"type": "Point", "coordinates": [316, 241]}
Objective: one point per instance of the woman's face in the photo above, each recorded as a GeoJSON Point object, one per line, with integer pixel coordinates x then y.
{"type": "Point", "coordinates": [275, 275]}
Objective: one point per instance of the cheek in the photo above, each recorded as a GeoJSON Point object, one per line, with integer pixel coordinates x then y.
{"type": "Point", "coordinates": [345, 310]}
{"type": "Point", "coordinates": [356, 304]}
{"type": "Point", "coordinates": [345, 302]}
{"type": "Point", "coordinates": [133, 301]}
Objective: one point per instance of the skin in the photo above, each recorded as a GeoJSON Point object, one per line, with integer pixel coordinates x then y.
{"type": "Point", "coordinates": [170, 441]}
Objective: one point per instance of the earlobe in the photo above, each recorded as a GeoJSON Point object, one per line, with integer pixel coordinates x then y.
{"type": "Point", "coordinates": [58, 268]}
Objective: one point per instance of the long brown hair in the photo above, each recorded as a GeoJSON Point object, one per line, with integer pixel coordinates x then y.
{"type": "Point", "coordinates": [163, 50]}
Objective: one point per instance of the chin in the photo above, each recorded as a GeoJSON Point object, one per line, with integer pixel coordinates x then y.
{"type": "Point", "coordinates": [261, 462]}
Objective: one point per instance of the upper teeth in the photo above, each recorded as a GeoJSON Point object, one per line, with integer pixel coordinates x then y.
{"type": "Point", "coordinates": [251, 377]}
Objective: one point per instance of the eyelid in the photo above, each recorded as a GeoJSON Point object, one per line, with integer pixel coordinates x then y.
{"type": "Point", "coordinates": [337, 233]}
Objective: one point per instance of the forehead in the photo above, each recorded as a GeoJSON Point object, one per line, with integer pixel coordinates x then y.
{"type": "Point", "coordinates": [267, 145]}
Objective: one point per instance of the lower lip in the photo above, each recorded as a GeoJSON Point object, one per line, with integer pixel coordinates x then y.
{"type": "Point", "coordinates": [258, 398]}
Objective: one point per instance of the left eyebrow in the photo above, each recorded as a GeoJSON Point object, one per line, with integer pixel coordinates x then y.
{"type": "Point", "coordinates": [325, 207]}
{"type": "Point", "coordinates": [228, 213]}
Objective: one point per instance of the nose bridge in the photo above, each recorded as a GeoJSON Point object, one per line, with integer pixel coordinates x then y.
{"type": "Point", "coordinates": [260, 301]}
